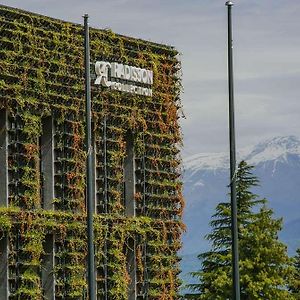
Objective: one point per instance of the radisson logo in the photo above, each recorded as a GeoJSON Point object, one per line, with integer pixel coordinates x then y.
{"type": "Point", "coordinates": [123, 78]}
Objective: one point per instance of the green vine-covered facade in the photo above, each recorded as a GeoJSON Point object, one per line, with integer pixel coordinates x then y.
{"type": "Point", "coordinates": [43, 243]}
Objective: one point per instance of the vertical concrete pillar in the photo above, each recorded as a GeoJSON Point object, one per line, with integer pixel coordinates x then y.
{"type": "Point", "coordinates": [48, 279]}
{"type": "Point", "coordinates": [4, 288]}
{"type": "Point", "coordinates": [129, 178]}
{"type": "Point", "coordinates": [47, 195]}
{"type": "Point", "coordinates": [47, 163]}
{"type": "Point", "coordinates": [3, 159]}
{"type": "Point", "coordinates": [131, 269]}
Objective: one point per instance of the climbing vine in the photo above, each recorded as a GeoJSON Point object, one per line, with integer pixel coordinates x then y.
{"type": "Point", "coordinates": [41, 75]}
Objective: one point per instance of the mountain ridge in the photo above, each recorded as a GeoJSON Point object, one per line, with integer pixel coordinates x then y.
{"type": "Point", "coordinates": [275, 148]}
{"type": "Point", "coordinates": [276, 163]}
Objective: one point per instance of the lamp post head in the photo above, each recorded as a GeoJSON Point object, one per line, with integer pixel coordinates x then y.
{"type": "Point", "coordinates": [229, 3]}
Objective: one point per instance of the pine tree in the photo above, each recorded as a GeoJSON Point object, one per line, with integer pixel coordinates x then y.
{"type": "Point", "coordinates": [264, 265]}
{"type": "Point", "coordinates": [295, 284]}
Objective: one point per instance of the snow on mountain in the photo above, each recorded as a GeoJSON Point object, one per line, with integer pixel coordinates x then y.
{"type": "Point", "coordinates": [209, 161]}
{"type": "Point", "coordinates": [206, 179]}
{"type": "Point", "coordinates": [276, 149]}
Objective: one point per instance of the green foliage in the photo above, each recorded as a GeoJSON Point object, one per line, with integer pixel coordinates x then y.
{"type": "Point", "coordinates": [295, 284]}
{"type": "Point", "coordinates": [41, 74]}
{"type": "Point", "coordinates": [70, 231]}
{"type": "Point", "coordinates": [265, 268]}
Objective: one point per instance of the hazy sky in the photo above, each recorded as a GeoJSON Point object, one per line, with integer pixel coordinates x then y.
{"type": "Point", "coordinates": [267, 59]}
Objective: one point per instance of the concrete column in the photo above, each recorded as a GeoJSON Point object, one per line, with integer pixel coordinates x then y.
{"type": "Point", "coordinates": [131, 269]}
{"type": "Point", "coordinates": [47, 163]}
{"type": "Point", "coordinates": [4, 289]}
{"type": "Point", "coordinates": [129, 177]}
{"type": "Point", "coordinates": [48, 279]}
{"type": "Point", "coordinates": [47, 194]}
{"type": "Point", "coordinates": [3, 159]}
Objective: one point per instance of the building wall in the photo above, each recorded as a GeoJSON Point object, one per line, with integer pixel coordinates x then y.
{"type": "Point", "coordinates": [138, 200]}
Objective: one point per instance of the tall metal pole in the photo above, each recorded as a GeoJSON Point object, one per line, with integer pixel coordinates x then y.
{"type": "Point", "coordinates": [234, 225]}
{"type": "Point", "coordinates": [89, 164]}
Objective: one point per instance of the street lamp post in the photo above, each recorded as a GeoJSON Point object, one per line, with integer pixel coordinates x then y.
{"type": "Point", "coordinates": [234, 225]}
{"type": "Point", "coordinates": [89, 164]}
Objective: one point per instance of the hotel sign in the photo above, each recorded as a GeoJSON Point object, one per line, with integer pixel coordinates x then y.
{"type": "Point", "coordinates": [124, 78]}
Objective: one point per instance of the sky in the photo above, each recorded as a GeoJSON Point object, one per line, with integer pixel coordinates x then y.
{"type": "Point", "coordinates": [266, 59]}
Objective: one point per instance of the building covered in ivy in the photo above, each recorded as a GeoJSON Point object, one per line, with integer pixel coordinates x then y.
{"type": "Point", "coordinates": [136, 138]}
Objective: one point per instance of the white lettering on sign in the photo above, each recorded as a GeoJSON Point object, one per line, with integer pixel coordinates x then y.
{"type": "Point", "coordinates": [126, 75]}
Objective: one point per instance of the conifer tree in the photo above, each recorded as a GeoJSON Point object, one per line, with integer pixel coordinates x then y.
{"type": "Point", "coordinates": [295, 284]}
{"type": "Point", "coordinates": [265, 267]}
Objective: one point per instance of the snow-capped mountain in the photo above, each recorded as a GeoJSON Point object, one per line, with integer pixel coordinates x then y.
{"type": "Point", "coordinates": [206, 177]}
{"type": "Point", "coordinates": [276, 149]}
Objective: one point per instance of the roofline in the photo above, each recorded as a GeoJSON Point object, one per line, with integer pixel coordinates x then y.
{"type": "Point", "coordinates": [170, 47]}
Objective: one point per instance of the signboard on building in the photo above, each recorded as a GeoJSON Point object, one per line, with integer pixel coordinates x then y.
{"type": "Point", "coordinates": [124, 78]}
